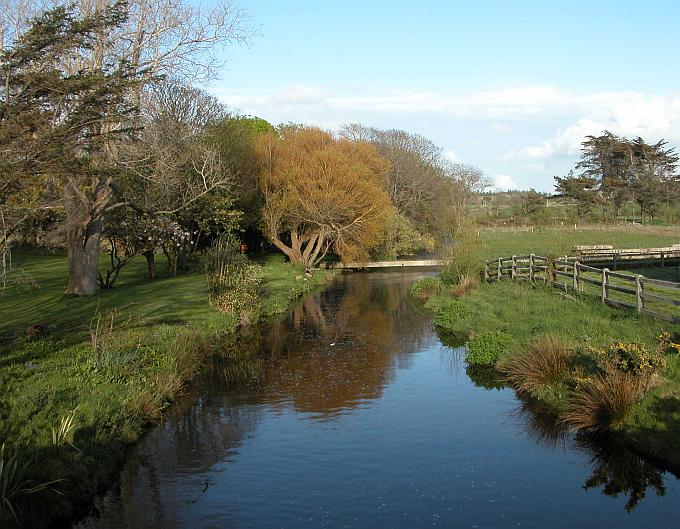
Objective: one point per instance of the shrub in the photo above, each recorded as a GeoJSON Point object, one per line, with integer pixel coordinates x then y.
{"type": "Point", "coordinates": [465, 260]}
{"type": "Point", "coordinates": [629, 358]}
{"type": "Point", "coordinates": [465, 285]}
{"type": "Point", "coordinates": [450, 314]}
{"type": "Point", "coordinates": [604, 401]}
{"type": "Point", "coordinates": [426, 287]}
{"type": "Point", "coordinates": [668, 343]}
{"type": "Point", "coordinates": [485, 348]}
{"type": "Point", "coordinates": [544, 360]}
{"type": "Point", "coordinates": [233, 281]}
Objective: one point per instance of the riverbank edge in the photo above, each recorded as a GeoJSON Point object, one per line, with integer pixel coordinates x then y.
{"type": "Point", "coordinates": [658, 446]}
{"type": "Point", "coordinates": [178, 352]}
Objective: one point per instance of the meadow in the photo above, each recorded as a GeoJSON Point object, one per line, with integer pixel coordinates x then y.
{"type": "Point", "coordinates": [544, 240]}
{"type": "Point", "coordinates": [102, 368]}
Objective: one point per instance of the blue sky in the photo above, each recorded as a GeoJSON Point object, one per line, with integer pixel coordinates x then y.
{"type": "Point", "coordinates": [509, 86]}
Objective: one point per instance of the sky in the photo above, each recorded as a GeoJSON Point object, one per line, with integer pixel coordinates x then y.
{"type": "Point", "coordinates": [509, 86]}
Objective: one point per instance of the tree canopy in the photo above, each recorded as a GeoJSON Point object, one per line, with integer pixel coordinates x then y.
{"type": "Point", "coordinates": [322, 192]}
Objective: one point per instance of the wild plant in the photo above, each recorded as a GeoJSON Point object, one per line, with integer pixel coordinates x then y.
{"type": "Point", "coordinates": [604, 401]}
{"type": "Point", "coordinates": [234, 282]}
{"type": "Point", "coordinates": [15, 484]}
{"type": "Point", "coordinates": [426, 287]}
{"type": "Point", "coordinates": [61, 434]}
{"type": "Point", "coordinates": [543, 361]}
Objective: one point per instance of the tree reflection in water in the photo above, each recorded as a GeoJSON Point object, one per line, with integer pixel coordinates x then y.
{"type": "Point", "coordinates": [333, 351]}
{"type": "Point", "coordinates": [616, 470]}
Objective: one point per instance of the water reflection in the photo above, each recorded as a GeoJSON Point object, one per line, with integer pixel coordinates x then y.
{"type": "Point", "coordinates": [309, 359]}
{"type": "Point", "coordinates": [616, 470]}
{"type": "Point", "coordinates": [349, 412]}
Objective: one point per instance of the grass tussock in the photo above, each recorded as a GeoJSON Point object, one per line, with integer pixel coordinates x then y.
{"type": "Point", "coordinates": [603, 402]}
{"type": "Point", "coordinates": [542, 361]}
{"type": "Point", "coordinates": [465, 285]}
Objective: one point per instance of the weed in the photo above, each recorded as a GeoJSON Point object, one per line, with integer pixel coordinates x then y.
{"type": "Point", "coordinates": [604, 402]}
{"type": "Point", "coordinates": [450, 314]}
{"type": "Point", "coordinates": [426, 287]}
{"type": "Point", "coordinates": [465, 285]}
{"type": "Point", "coordinates": [544, 360]}
{"type": "Point", "coordinates": [631, 358]}
{"type": "Point", "coordinates": [67, 424]}
{"type": "Point", "coordinates": [485, 348]}
{"type": "Point", "coordinates": [15, 484]}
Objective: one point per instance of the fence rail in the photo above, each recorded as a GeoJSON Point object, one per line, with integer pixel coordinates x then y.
{"type": "Point", "coordinates": [658, 298]}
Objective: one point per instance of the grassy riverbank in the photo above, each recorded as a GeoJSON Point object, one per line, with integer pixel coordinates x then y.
{"type": "Point", "coordinates": [107, 366]}
{"type": "Point", "coordinates": [520, 312]}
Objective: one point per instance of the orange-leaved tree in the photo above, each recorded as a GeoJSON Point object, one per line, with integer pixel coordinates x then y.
{"type": "Point", "coordinates": [321, 193]}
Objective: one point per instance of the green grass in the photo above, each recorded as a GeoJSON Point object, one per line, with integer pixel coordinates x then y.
{"type": "Point", "coordinates": [495, 243]}
{"type": "Point", "coordinates": [525, 311]}
{"type": "Point", "coordinates": [162, 336]}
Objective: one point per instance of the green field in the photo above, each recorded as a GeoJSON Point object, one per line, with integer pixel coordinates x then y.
{"type": "Point", "coordinates": [112, 387]}
{"type": "Point", "coordinates": [505, 242]}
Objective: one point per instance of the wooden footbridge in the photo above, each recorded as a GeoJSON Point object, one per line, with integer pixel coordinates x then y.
{"type": "Point", "coordinates": [421, 263]}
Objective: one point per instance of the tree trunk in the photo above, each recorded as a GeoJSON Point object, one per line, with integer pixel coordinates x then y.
{"type": "Point", "coordinates": [83, 246]}
{"type": "Point", "coordinates": [151, 263]}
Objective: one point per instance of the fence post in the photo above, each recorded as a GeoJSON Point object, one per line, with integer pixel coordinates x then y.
{"type": "Point", "coordinates": [576, 281]}
{"type": "Point", "coordinates": [605, 284]}
{"type": "Point", "coordinates": [500, 268]}
{"type": "Point", "coordinates": [531, 268]}
{"type": "Point", "coordinates": [486, 270]}
{"type": "Point", "coordinates": [513, 271]}
{"type": "Point", "coordinates": [663, 264]}
{"type": "Point", "coordinates": [639, 286]}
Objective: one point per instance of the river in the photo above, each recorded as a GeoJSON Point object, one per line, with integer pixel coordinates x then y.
{"type": "Point", "coordinates": [348, 412]}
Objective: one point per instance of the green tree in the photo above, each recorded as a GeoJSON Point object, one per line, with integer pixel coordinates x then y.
{"type": "Point", "coordinates": [583, 189]}
{"type": "Point", "coordinates": [59, 123]}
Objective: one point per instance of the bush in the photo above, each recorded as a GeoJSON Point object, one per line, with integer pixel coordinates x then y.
{"type": "Point", "coordinates": [450, 314]}
{"type": "Point", "coordinates": [465, 285]}
{"type": "Point", "coordinates": [604, 401]}
{"type": "Point", "coordinates": [426, 287]}
{"type": "Point", "coordinates": [629, 358]}
{"type": "Point", "coordinates": [401, 238]}
{"type": "Point", "coordinates": [466, 260]}
{"type": "Point", "coordinates": [543, 361]}
{"type": "Point", "coordinates": [485, 348]}
{"type": "Point", "coordinates": [233, 281]}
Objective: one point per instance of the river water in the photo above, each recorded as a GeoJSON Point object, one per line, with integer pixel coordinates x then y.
{"type": "Point", "coordinates": [351, 412]}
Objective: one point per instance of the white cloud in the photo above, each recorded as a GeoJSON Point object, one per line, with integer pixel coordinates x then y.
{"type": "Point", "coordinates": [504, 182]}
{"type": "Point", "coordinates": [625, 113]}
{"type": "Point", "coordinates": [451, 156]}
{"type": "Point", "coordinates": [503, 103]}
{"type": "Point", "coordinates": [525, 124]}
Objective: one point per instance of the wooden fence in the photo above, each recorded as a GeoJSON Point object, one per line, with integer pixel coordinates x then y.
{"type": "Point", "coordinates": [661, 299]}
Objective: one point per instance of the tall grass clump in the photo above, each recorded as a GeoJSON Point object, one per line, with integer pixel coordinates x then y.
{"type": "Point", "coordinates": [426, 287]}
{"type": "Point", "coordinates": [543, 361]}
{"type": "Point", "coordinates": [604, 401]}
{"type": "Point", "coordinates": [16, 484]}
{"type": "Point", "coordinates": [234, 282]}
{"type": "Point", "coordinates": [465, 262]}
{"type": "Point", "coordinates": [485, 348]}
{"type": "Point", "coordinates": [465, 285]}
